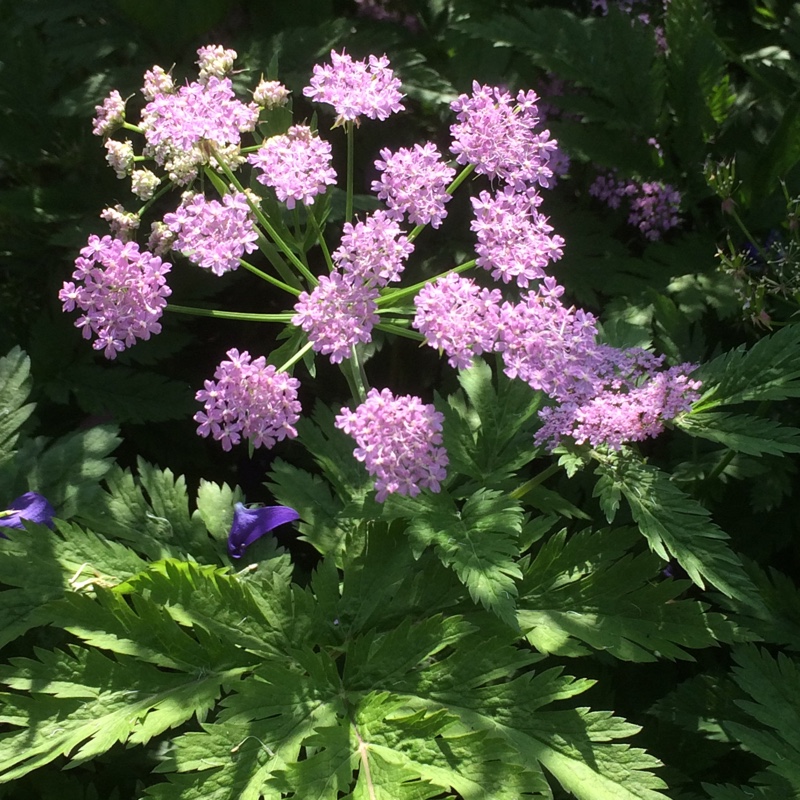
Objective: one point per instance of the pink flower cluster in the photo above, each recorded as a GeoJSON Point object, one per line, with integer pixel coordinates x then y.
{"type": "Point", "coordinates": [654, 206]}
{"type": "Point", "coordinates": [248, 399]}
{"type": "Point", "coordinates": [514, 240]}
{"type": "Point", "coordinates": [499, 136]}
{"type": "Point", "coordinates": [123, 293]}
{"type": "Point", "coordinates": [342, 310]}
{"type": "Point", "coordinates": [356, 88]}
{"type": "Point", "coordinates": [414, 182]}
{"type": "Point", "coordinates": [211, 234]}
{"type": "Point", "coordinates": [455, 315]}
{"type": "Point", "coordinates": [338, 314]}
{"type": "Point", "coordinates": [399, 440]}
{"type": "Point", "coordinates": [180, 127]}
{"type": "Point", "coordinates": [297, 165]}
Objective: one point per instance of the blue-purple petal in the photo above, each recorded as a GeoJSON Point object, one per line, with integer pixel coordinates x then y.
{"type": "Point", "coordinates": [30, 506]}
{"type": "Point", "coordinates": [250, 524]}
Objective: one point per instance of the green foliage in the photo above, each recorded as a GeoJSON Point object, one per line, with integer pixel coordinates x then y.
{"type": "Point", "coordinates": [591, 590]}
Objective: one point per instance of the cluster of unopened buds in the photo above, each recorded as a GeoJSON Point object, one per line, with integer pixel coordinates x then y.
{"type": "Point", "coordinates": [600, 395]}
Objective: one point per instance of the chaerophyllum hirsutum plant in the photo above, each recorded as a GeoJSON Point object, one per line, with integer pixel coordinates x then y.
{"type": "Point", "coordinates": [424, 656]}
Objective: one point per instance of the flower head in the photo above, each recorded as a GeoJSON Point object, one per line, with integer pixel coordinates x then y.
{"type": "Point", "coordinates": [270, 94]}
{"type": "Point", "coordinates": [296, 164]}
{"type": "Point", "coordinates": [215, 61]}
{"type": "Point", "coordinates": [248, 399]}
{"type": "Point", "coordinates": [109, 115]}
{"type": "Point", "coordinates": [499, 138]}
{"type": "Point", "coordinates": [399, 440]}
{"type": "Point", "coordinates": [373, 251]}
{"type": "Point", "coordinates": [514, 239]}
{"type": "Point", "coordinates": [179, 127]}
{"type": "Point", "coordinates": [122, 291]}
{"type": "Point", "coordinates": [250, 524]}
{"type": "Point", "coordinates": [356, 88]}
{"type": "Point", "coordinates": [214, 234]}
{"type": "Point", "coordinates": [457, 316]}
{"type": "Point", "coordinates": [30, 506]}
{"type": "Point", "coordinates": [338, 314]}
{"type": "Point", "coordinates": [414, 182]}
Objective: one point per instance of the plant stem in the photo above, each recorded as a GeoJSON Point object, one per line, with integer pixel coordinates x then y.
{"type": "Point", "coordinates": [399, 294]}
{"type": "Point", "coordinates": [350, 132]}
{"type": "Point", "coordinates": [242, 315]}
{"type": "Point", "coordinates": [526, 487]}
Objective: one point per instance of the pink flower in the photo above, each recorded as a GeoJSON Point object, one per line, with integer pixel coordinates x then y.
{"type": "Point", "coordinates": [414, 182]}
{"type": "Point", "coordinates": [211, 234]}
{"type": "Point", "coordinates": [373, 251]}
{"type": "Point", "coordinates": [338, 314]}
{"type": "Point", "coordinates": [457, 316]}
{"type": "Point", "coordinates": [122, 291]}
{"type": "Point", "coordinates": [399, 441]}
{"type": "Point", "coordinates": [514, 240]}
{"type": "Point", "coordinates": [356, 88]}
{"type": "Point", "coordinates": [499, 138]}
{"type": "Point", "coordinates": [296, 164]}
{"type": "Point", "coordinates": [248, 399]}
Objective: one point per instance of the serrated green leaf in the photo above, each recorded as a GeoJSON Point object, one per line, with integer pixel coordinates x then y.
{"type": "Point", "coordinates": [769, 370]}
{"type": "Point", "coordinates": [588, 590]}
{"type": "Point", "coordinates": [94, 702]}
{"type": "Point", "coordinates": [742, 432]}
{"type": "Point", "coordinates": [69, 470]}
{"type": "Point", "coordinates": [130, 395]}
{"type": "Point", "coordinates": [215, 507]}
{"type": "Point", "coordinates": [15, 386]}
{"type": "Point", "coordinates": [676, 525]}
{"type": "Point", "coordinates": [479, 541]}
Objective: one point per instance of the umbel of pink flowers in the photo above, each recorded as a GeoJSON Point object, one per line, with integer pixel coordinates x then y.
{"type": "Point", "coordinates": [601, 395]}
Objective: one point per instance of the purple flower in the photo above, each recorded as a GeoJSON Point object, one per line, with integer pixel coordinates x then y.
{"type": "Point", "coordinates": [211, 234]}
{"type": "Point", "coordinates": [457, 316]}
{"type": "Point", "coordinates": [338, 314]}
{"type": "Point", "coordinates": [250, 524]}
{"type": "Point", "coordinates": [373, 251]}
{"type": "Point", "coordinates": [399, 440]}
{"type": "Point", "coordinates": [109, 115]}
{"type": "Point", "coordinates": [29, 506]}
{"type": "Point", "coordinates": [248, 399]}
{"type": "Point", "coordinates": [414, 182]}
{"type": "Point", "coordinates": [355, 88]}
{"type": "Point", "coordinates": [296, 164]}
{"type": "Point", "coordinates": [629, 413]}
{"type": "Point", "coordinates": [179, 127]}
{"type": "Point", "coordinates": [514, 240]}
{"type": "Point", "coordinates": [655, 209]}
{"type": "Point", "coordinates": [497, 136]}
{"type": "Point", "coordinates": [214, 60]}
{"type": "Point", "coordinates": [122, 291]}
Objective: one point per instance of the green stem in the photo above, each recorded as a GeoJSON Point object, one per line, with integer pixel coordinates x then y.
{"type": "Point", "coordinates": [457, 181]}
{"type": "Point", "coordinates": [266, 225]}
{"type": "Point", "coordinates": [269, 278]}
{"type": "Point", "coordinates": [320, 240]}
{"type": "Point", "coordinates": [399, 294]}
{"type": "Point", "coordinates": [128, 126]}
{"type": "Point", "coordinates": [359, 376]}
{"type": "Point", "coordinates": [398, 330]}
{"type": "Point", "coordinates": [526, 487]}
{"type": "Point", "coordinates": [296, 357]}
{"type": "Point", "coordinates": [241, 315]}
{"type": "Point", "coordinates": [350, 131]}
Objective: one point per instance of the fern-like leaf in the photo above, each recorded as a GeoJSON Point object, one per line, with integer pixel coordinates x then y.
{"type": "Point", "coordinates": [675, 525]}
{"type": "Point", "coordinates": [742, 432]}
{"type": "Point", "coordinates": [588, 590]}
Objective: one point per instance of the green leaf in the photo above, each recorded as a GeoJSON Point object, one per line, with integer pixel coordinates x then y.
{"type": "Point", "coordinates": [479, 542]}
{"type": "Point", "coordinates": [84, 703]}
{"type": "Point", "coordinates": [130, 395]}
{"type": "Point", "coordinates": [15, 386]}
{"type": "Point", "coordinates": [215, 507]}
{"type": "Point", "coordinates": [742, 432]}
{"type": "Point", "coordinates": [69, 471]}
{"type": "Point", "coordinates": [490, 437]}
{"type": "Point", "coordinates": [43, 565]}
{"type": "Point", "coordinates": [769, 370]}
{"type": "Point", "coordinates": [675, 525]}
{"type": "Point", "coordinates": [589, 590]}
